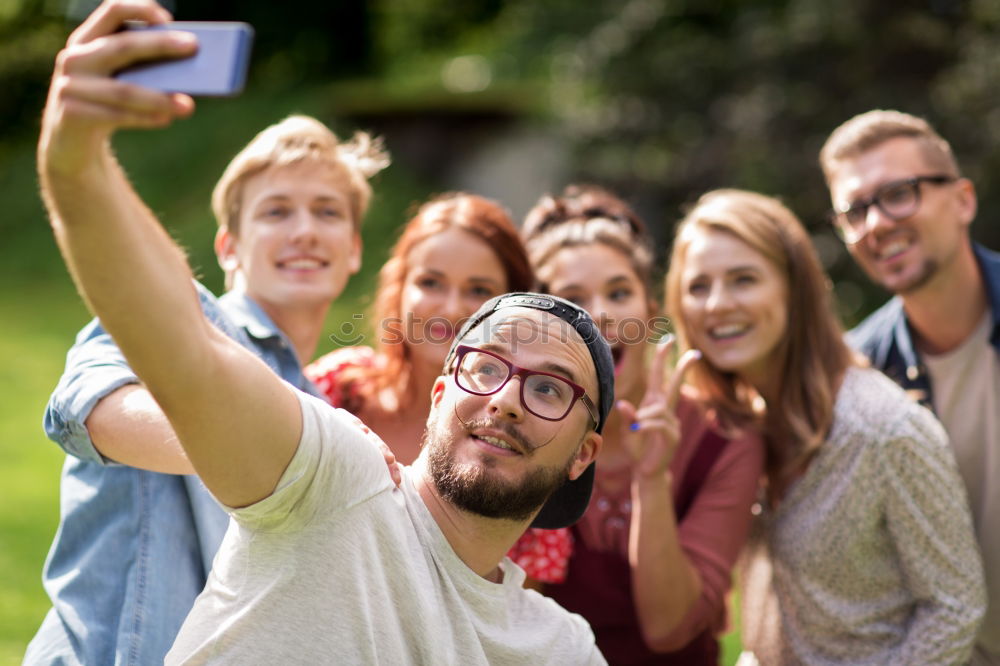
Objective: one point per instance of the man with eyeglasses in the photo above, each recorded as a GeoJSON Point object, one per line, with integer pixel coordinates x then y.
{"type": "Point", "coordinates": [332, 562]}
{"type": "Point", "coordinates": [904, 210]}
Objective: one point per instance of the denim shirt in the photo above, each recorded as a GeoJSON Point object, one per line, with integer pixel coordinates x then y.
{"type": "Point", "coordinates": [885, 336]}
{"type": "Point", "coordinates": [134, 547]}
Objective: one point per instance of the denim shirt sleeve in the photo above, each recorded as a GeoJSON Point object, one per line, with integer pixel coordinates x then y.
{"type": "Point", "coordinates": [96, 368]}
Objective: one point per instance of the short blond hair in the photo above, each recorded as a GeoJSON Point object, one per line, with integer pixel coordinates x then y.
{"type": "Point", "coordinates": [873, 128]}
{"type": "Point", "coordinates": [299, 139]}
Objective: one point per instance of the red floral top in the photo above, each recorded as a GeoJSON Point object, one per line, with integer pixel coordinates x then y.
{"type": "Point", "coordinates": [327, 373]}
{"type": "Point", "coordinates": [543, 554]}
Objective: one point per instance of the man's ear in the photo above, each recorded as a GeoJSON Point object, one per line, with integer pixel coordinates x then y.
{"type": "Point", "coordinates": [225, 249]}
{"type": "Point", "coordinates": [967, 201]}
{"type": "Point", "coordinates": [437, 391]}
{"type": "Point", "coordinates": [354, 259]}
{"type": "Point", "coordinates": [587, 453]}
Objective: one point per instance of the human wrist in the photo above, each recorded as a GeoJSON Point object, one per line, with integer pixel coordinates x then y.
{"type": "Point", "coordinates": [652, 485]}
{"type": "Point", "coordinates": [74, 162]}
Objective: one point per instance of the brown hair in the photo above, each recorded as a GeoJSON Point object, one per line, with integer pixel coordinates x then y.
{"type": "Point", "coordinates": [813, 355]}
{"type": "Point", "coordinates": [479, 216]}
{"type": "Point", "coordinates": [587, 215]}
{"type": "Point", "coordinates": [297, 139]}
{"type": "Point", "coordinates": [869, 130]}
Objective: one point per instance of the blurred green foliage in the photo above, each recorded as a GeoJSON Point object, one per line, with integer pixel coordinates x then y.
{"type": "Point", "coordinates": [29, 40]}
{"type": "Point", "coordinates": [665, 99]}
{"type": "Point", "coordinates": [659, 99]}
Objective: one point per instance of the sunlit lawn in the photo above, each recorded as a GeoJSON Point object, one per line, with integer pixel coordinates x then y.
{"type": "Point", "coordinates": [38, 325]}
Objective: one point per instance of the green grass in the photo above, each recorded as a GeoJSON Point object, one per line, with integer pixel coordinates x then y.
{"type": "Point", "coordinates": [38, 326]}
{"type": "Point", "coordinates": [731, 646]}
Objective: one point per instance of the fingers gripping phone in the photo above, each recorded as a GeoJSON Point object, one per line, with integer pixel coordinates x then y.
{"type": "Point", "coordinates": [217, 69]}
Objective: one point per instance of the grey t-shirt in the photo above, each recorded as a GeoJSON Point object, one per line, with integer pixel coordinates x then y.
{"type": "Point", "coordinates": [966, 385]}
{"type": "Point", "coordinates": [339, 566]}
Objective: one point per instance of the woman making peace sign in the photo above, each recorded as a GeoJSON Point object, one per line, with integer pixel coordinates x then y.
{"type": "Point", "coordinates": [651, 558]}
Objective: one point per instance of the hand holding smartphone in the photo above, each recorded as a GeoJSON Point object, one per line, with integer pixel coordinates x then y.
{"type": "Point", "coordinates": [217, 69]}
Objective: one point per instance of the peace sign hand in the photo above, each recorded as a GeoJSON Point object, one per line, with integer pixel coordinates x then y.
{"type": "Point", "coordinates": [652, 432]}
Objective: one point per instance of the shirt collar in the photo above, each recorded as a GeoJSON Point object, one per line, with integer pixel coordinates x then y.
{"type": "Point", "coordinates": [904, 345]}
{"type": "Point", "coordinates": [249, 316]}
{"type": "Point", "coordinates": [989, 267]}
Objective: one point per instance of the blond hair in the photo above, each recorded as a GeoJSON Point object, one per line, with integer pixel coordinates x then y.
{"type": "Point", "coordinates": [873, 128]}
{"type": "Point", "coordinates": [812, 355]}
{"type": "Point", "coordinates": [298, 139]}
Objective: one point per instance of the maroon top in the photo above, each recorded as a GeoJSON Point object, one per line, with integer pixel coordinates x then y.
{"type": "Point", "coordinates": [713, 527]}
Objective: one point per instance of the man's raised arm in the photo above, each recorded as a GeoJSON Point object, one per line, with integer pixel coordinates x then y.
{"type": "Point", "coordinates": [237, 421]}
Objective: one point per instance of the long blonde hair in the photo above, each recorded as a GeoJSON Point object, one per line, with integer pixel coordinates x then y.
{"type": "Point", "coordinates": [812, 356]}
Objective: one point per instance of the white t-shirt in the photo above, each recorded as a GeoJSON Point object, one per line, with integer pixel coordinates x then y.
{"type": "Point", "coordinates": [339, 566]}
{"type": "Point", "coordinates": [966, 384]}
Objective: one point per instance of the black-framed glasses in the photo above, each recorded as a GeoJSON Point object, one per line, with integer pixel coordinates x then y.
{"type": "Point", "coordinates": [544, 394]}
{"type": "Point", "coordinates": [898, 199]}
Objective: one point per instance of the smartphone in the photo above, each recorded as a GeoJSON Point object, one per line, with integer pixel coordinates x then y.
{"type": "Point", "coordinates": [218, 69]}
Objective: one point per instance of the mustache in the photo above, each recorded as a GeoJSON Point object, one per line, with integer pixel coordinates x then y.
{"type": "Point", "coordinates": [506, 428]}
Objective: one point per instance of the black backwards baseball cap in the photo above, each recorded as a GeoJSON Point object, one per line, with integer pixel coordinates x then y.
{"type": "Point", "coordinates": [566, 505]}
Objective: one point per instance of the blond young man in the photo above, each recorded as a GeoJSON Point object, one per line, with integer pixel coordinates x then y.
{"type": "Point", "coordinates": [138, 531]}
{"type": "Point", "coordinates": [904, 210]}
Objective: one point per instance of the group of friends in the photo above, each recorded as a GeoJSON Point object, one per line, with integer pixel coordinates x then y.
{"type": "Point", "coordinates": [519, 470]}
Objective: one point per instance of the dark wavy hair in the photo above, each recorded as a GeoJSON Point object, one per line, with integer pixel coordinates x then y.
{"type": "Point", "coordinates": [588, 215]}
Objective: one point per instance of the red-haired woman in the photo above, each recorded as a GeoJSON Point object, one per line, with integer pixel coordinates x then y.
{"type": "Point", "coordinates": [457, 252]}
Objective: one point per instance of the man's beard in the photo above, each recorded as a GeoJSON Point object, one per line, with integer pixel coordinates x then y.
{"type": "Point", "coordinates": [928, 270]}
{"type": "Point", "coordinates": [478, 488]}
